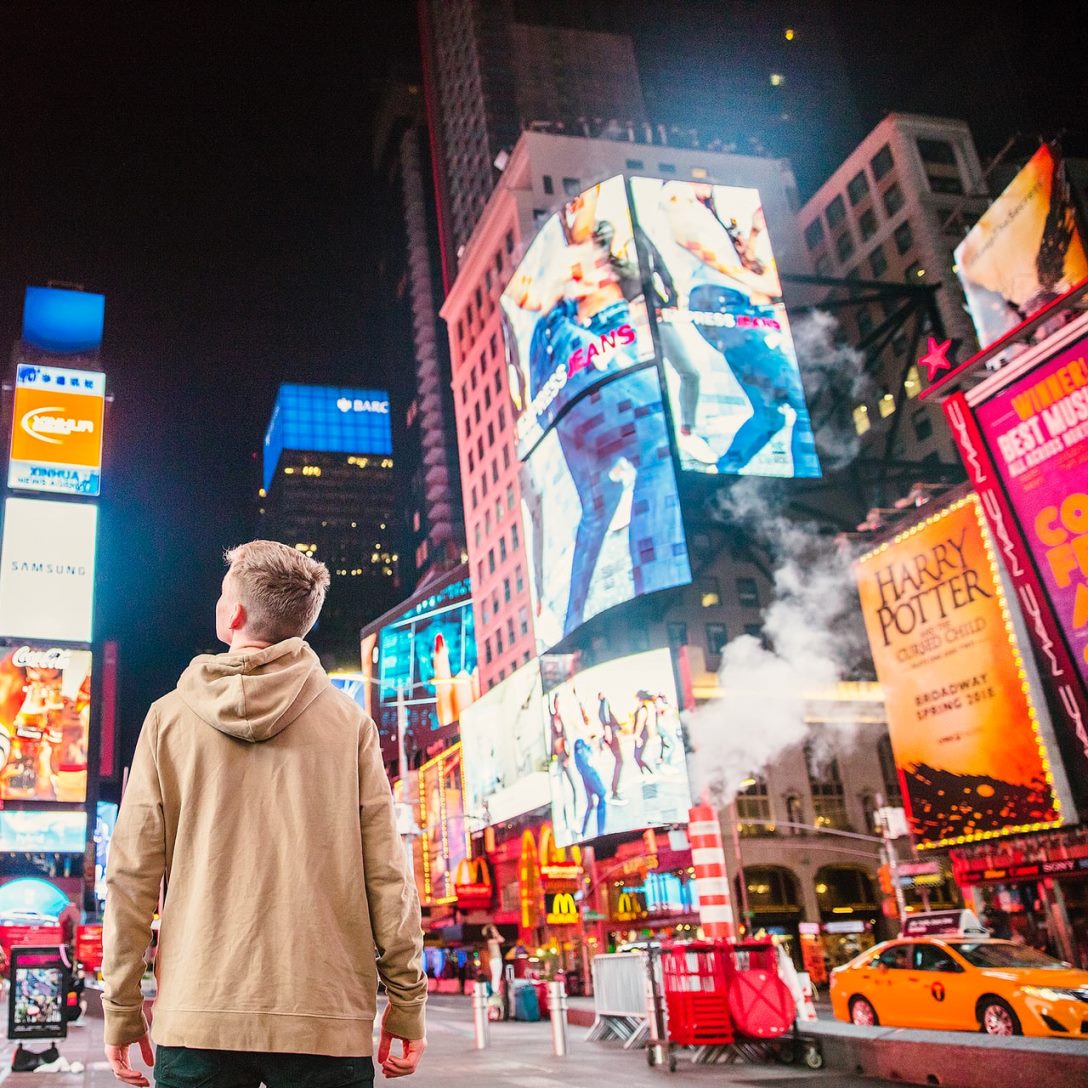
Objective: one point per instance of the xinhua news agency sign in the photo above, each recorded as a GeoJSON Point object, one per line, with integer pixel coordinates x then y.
{"type": "Point", "coordinates": [56, 433]}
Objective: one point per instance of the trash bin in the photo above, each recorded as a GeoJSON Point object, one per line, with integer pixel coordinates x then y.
{"type": "Point", "coordinates": [526, 1005]}
{"type": "Point", "coordinates": [541, 987]}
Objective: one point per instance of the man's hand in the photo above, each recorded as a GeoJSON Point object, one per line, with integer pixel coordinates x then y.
{"type": "Point", "coordinates": [404, 1064]}
{"type": "Point", "coordinates": [117, 1056]}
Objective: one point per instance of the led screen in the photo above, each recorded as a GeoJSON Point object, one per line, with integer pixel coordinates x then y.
{"type": "Point", "coordinates": [506, 758]}
{"type": "Point", "coordinates": [1037, 432]}
{"type": "Point", "coordinates": [574, 309]}
{"type": "Point", "coordinates": [427, 664]}
{"type": "Point", "coordinates": [616, 748]}
{"type": "Point", "coordinates": [327, 418]}
{"type": "Point", "coordinates": [63, 322]}
{"type": "Point", "coordinates": [47, 570]}
{"type": "Point", "coordinates": [964, 728]}
{"type": "Point", "coordinates": [105, 822]}
{"type": "Point", "coordinates": [56, 434]}
{"type": "Point", "coordinates": [442, 844]}
{"type": "Point", "coordinates": [600, 507]}
{"type": "Point", "coordinates": [38, 832]}
{"type": "Point", "coordinates": [45, 700]}
{"type": "Point", "coordinates": [1024, 251]}
{"type": "Point", "coordinates": [733, 381]}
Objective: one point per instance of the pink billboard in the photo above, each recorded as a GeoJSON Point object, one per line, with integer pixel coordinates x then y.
{"type": "Point", "coordinates": [1037, 433]}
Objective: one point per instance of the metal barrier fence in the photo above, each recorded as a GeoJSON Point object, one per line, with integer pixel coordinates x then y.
{"type": "Point", "coordinates": [619, 998]}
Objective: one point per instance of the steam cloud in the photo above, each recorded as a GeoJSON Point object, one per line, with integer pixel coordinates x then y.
{"type": "Point", "coordinates": [813, 635]}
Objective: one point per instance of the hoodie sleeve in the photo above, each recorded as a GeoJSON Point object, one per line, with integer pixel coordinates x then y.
{"type": "Point", "coordinates": [391, 896]}
{"type": "Point", "coordinates": [134, 875]}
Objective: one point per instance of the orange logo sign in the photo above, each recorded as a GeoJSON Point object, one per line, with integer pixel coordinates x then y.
{"type": "Point", "coordinates": [57, 427]}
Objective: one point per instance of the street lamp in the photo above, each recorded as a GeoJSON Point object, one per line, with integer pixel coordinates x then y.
{"type": "Point", "coordinates": [744, 784]}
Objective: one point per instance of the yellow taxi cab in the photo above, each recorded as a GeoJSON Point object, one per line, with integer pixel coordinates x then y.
{"type": "Point", "coordinates": [962, 983]}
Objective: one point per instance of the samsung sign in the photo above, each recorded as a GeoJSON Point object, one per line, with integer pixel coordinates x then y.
{"type": "Point", "coordinates": [47, 570]}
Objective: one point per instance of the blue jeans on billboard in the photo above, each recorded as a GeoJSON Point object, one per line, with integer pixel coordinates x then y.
{"type": "Point", "coordinates": [185, 1067]}
{"type": "Point", "coordinates": [766, 372]}
{"type": "Point", "coordinates": [594, 785]}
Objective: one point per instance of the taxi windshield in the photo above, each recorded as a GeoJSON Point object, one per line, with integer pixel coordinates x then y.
{"type": "Point", "coordinates": [999, 954]}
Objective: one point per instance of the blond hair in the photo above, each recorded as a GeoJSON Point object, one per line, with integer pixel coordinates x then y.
{"type": "Point", "coordinates": [281, 589]}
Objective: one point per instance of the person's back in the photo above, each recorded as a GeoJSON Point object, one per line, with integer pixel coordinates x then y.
{"type": "Point", "coordinates": [259, 791]}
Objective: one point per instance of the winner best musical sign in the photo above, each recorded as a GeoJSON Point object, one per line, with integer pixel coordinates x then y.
{"type": "Point", "coordinates": [963, 725]}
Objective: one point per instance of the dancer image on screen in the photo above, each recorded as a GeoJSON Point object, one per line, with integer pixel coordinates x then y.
{"type": "Point", "coordinates": [645, 731]}
{"type": "Point", "coordinates": [561, 756]}
{"type": "Point", "coordinates": [733, 283]}
{"type": "Point", "coordinates": [665, 729]}
{"type": "Point", "coordinates": [610, 438]}
{"type": "Point", "coordinates": [613, 741]}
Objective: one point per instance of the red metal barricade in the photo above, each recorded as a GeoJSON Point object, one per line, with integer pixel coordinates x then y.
{"type": "Point", "coordinates": [697, 994]}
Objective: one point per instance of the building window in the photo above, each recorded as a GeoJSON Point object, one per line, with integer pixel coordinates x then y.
{"type": "Point", "coordinates": [509, 241]}
{"type": "Point", "coordinates": [912, 383]}
{"type": "Point", "coordinates": [572, 186]}
{"type": "Point", "coordinates": [464, 394]}
{"type": "Point", "coordinates": [667, 167]}
{"type": "Point", "coordinates": [491, 560]}
{"type": "Point", "coordinates": [716, 638]}
{"type": "Point", "coordinates": [487, 650]}
{"type": "Point", "coordinates": [487, 396]}
{"type": "Point", "coordinates": [483, 479]}
{"type": "Point", "coordinates": [861, 418]}
{"type": "Point", "coordinates": [867, 224]}
{"type": "Point", "coordinates": [844, 245]}
{"type": "Point", "coordinates": [828, 795]}
{"type": "Point", "coordinates": [502, 417]}
{"type": "Point", "coordinates": [490, 435]}
{"type": "Point", "coordinates": [753, 810]}
{"type": "Point", "coordinates": [519, 581]}
{"type": "Point", "coordinates": [886, 405]}
{"type": "Point", "coordinates": [472, 382]}
{"type": "Point", "coordinates": [506, 457]}
{"type": "Point", "coordinates": [498, 641]}
{"type": "Point", "coordinates": [485, 613]}
{"type": "Point", "coordinates": [471, 461]}
{"type": "Point", "coordinates": [823, 265]}
{"type": "Point", "coordinates": [882, 162]}
{"type": "Point", "coordinates": [893, 199]}
{"type": "Point", "coordinates": [878, 262]}
{"type": "Point", "coordinates": [904, 237]}
{"type": "Point", "coordinates": [814, 234]}
{"type": "Point", "coordinates": [474, 497]}
{"type": "Point", "coordinates": [515, 540]}
{"type": "Point", "coordinates": [494, 472]}
{"type": "Point", "coordinates": [494, 348]}
{"type": "Point", "coordinates": [502, 549]}
{"type": "Point", "coordinates": [498, 371]}
{"type": "Point", "coordinates": [635, 164]}
{"type": "Point", "coordinates": [549, 185]}
{"type": "Point", "coordinates": [865, 322]}
{"type": "Point", "coordinates": [748, 592]}
{"type": "Point", "coordinates": [945, 183]}
{"type": "Point", "coordinates": [510, 497]}
{"type": "Point", "coordinates": [923, 425]}
{"type": "Point", "coordinates": [479, 300]}
{"type": "Point", "coordinates": [754, 630]}
{"type": "Point", "coordinates": [476, 409]}
{"type": "Point", "coordinates": [523, 620]}
{"type": "Point", "coordinates": [510, 629]}
{"type": "Point", "coordinates": [677, 634]}
{"type": "Point", "coordinates": [479, 535]}
{"type": "Point", "coordinates": [487, 282]}
{"type": "Point", "coordinates": [710, 592]}
{"type": "Point", "coordinates": [857, 188]}
{"type": "Point", "coordinates": [835, 212]}
{"type": "Point", "coordinates": [940, 152]}
{"type": "Point", "coordinates": [506, 590]}
{"type": "Point", "coordinates": [795, 814]}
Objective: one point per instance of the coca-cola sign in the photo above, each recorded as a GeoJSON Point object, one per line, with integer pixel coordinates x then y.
{"type": "Point", "coordinates": [54, 658]}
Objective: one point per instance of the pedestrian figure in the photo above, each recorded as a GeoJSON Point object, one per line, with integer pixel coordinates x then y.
{"type": "Point", "coordinates": [258, 802]}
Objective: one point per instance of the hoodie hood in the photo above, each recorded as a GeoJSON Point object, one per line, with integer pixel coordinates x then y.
{"type": "Point", "coordinates": [253, 696]}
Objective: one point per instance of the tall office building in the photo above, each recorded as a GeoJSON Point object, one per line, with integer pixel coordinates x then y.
{"type": "Point", "coordinates": [489, 72]}
{"type": "Point", "coordinates": [894, 211]}
{"type": "Point", "coordinates": [329, 490]}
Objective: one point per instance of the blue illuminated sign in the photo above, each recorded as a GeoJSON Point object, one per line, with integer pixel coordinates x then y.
{"type": "Point", "coordinates": [329, 419]}
{"type": "Point", "coordinates": [63, 322]}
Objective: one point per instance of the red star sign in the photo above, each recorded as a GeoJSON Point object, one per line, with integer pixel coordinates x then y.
{"type": "Point", "coordinates": [935, 357]}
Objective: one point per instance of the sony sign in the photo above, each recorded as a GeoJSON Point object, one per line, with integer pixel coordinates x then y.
{"type": "Point", "coordinates": [47, 564]}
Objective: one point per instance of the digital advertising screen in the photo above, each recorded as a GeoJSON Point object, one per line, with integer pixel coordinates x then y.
{"type": "Point", "coordinates": [47, 570]}
{"type": "Point", "coordinates": [63, 322]}
{"type": "Point", "coordinates": [35, 831]}
{"type": "Point", "coordinates": [427, 663]}
{"type": "Point", "coordinates": [1025, 251]}
{"type": "Point", "coordinates": [1037, 432]}
{"type": "Point", "coordinates": [616, 750]}
{"type": "Point", "coordinates": [574, 309]}
{"type": "Point", "coordinates": [443, 842]}
{"type": "Point", "coordinates": [45, 715]}
{"type": "Point", "coordinates": [734, 385]}
{"type": "Point", "coordinates": [506, 757]}
{"type": "Point", "coordinates": [105, 822]}
{"type": "Point", "coordinates": [38, 991]}
{"type": "Point", "coordinates": [56, 433]}
{"type": "Point", "coordinates": [327, 418]}
{"type": "Point", "coordinates": [964, 725]}
{"type": "Point", "coordinates": [600, 507]}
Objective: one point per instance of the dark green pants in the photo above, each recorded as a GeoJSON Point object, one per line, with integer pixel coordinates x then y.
{"type": "Point", "coordinates": [184, 1067]}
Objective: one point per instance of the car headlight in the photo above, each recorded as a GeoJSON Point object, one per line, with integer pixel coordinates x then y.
{"type": "Point", "coordinates": [1055, 993]}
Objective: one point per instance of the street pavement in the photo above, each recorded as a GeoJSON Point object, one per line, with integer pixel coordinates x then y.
{"type": "Point", "coordinates": [520, 1055]}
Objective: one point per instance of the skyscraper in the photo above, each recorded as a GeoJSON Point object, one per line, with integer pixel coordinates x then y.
{"type": "Point", "coordinates": [329, 490]}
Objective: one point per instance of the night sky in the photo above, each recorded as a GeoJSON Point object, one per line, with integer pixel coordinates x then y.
{"type": "Point", "coordinates": [208, 168]}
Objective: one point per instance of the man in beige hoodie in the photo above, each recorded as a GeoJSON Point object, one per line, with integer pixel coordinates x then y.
{"type": "Point", "coordinates": [258, 803]}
